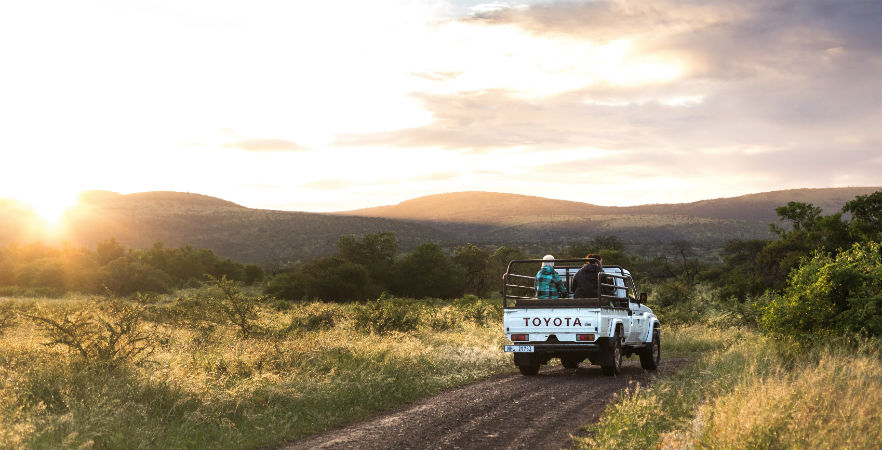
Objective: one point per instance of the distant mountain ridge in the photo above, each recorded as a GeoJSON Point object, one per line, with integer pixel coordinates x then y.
{"type": "Point", "coordinates": [488, 207]}
{"type": "Point", "coordinates": [497, 218]}
{"type": "Point", "coordinates": [268, 236]}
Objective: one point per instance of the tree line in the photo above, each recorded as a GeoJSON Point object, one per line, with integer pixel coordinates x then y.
{"type": "Point", "coordinates": [37, 269]}
{"type": "Point", "coordinates": [763, 281]}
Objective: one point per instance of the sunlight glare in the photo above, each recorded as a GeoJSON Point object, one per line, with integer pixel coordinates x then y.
{"type": "Point", "coordinates": [51, 206]}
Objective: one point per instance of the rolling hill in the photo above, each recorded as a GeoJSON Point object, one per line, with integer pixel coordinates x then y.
{"type": "Point", "coordinates": [231, 230]}
{"type": "Point", "coordinates": [272, 237]}
{"type": "Point", "coordinates": [496, 217]}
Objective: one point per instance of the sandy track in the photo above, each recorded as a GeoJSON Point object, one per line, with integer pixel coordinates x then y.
{"type": "Point", "coordinates": [509, 412]}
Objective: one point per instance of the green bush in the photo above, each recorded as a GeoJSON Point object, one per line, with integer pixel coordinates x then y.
{"type": "Point", "coordinates": [313, 317]}
{"type": "Point", "coordinates": [387, 314]}
{"type": "Point", "coordinates": [444, 318]}
{"type": "Point", "coordinates": [830, 296]}
{"type": "Point", "coordinates": [479, 311]}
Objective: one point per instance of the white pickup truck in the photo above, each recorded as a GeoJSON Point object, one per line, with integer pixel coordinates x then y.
{"type": "Point", "coordinates": [601, 329]}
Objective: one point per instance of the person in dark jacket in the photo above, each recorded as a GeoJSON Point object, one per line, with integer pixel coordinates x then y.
{"type": "Point", "coordinates": [585, 280]}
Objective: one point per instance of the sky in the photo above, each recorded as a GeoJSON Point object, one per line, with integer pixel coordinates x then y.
{"type": "Point", "coordinates": [338, 105]}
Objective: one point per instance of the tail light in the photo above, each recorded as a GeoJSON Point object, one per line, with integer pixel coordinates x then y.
{"type": "Point", "coordinates": [585, 337]}
{"type": "Point", "coordinates": [520, 337]}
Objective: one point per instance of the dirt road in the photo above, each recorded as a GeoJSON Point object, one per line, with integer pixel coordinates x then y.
{"type": "Point", "coordinates": [510, 412]}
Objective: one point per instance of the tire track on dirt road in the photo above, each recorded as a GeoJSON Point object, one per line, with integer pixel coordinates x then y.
{"type": "Point", "coordinates": [508, 412]}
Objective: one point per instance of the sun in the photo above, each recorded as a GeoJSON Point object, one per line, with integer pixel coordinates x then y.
{"type": "Point", "coordinates": [51, 206]}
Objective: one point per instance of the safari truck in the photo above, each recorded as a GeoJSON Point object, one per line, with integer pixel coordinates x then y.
{"type": "Point", "coordinates": [601, 329]}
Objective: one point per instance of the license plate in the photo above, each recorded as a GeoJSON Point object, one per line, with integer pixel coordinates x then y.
{"type": "Point", "coordinates": [519, 348]}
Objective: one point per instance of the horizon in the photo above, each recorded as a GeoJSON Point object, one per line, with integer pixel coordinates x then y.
{"type": "Point", "coordinates": [52, 216]}
{"type": "Point", "coordinates": [330, 107]}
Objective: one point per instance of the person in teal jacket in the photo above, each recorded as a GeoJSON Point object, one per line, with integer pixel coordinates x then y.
{"type": "Point", "coordinates": [548, 284]}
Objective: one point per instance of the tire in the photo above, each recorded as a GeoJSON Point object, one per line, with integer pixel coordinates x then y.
{"type": "Point", "coordinates": [612, 355]}
{"type": "Point", "coordinates": [570, 363]}
{"type": "Point", "coordinates": [650, 355]}
{"type": "Point", "coordinates": [529, 370]}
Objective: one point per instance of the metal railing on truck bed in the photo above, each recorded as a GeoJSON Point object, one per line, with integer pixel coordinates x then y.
{"type": "Point", "coordinates": [521, 288]}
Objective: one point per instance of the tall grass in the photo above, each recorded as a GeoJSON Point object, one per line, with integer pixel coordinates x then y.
{"type": "Point", "coordinates": [745, 390]}
{"type": "Point", "coordinates": [305, 369]}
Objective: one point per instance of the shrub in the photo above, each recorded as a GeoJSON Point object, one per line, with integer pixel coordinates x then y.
{"type": "Point", "coordinates": [827, 296]}
{"type": "Point", "coordinates": [444, 318]}
{"type": "Point", "coordinates": [195, 311]}
{"type": "Point", "coordinates": [387, 314]}
{"type": "Point", "coordinates": [108, 332]}
{"type": "Point", "coordinates": [238, 308]}
{"type": "Point", "coordinates": [313, 317]}
{"type": "Point", "coordinates": [477, 310]}
{"type": "Point", "coordinates": [673, 292]}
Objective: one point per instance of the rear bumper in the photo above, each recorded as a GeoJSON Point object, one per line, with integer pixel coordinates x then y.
{"type": "Point", "coordinates": [563, 347]}
{"type": "Point", "coordinates": [543, 352]}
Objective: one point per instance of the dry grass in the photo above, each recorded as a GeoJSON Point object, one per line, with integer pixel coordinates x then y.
{"type": "Point", "coordinates": [308, 369]}
{"type": "Point", "coordinates": [746, 390]}
{"type": "Point", "coordinates": [832, 403]}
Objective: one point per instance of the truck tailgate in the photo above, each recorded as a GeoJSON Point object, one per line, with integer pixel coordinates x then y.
{"type": "Point", "coordinates": [551, 320]}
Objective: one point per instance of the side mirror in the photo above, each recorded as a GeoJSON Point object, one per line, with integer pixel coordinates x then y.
{"type": "Point", "coordinates": [643, 297]}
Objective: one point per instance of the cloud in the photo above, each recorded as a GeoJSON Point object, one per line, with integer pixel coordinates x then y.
{"type": "Point", "coordinates": [265, 145]}
{"type": "Point", "coordinates": [787, 89]}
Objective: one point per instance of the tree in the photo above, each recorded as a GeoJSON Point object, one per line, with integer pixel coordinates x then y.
{"type": "Point", "coordinates": [376, 252]}
{"type": "Point", "coordinates": [336, 279]}
{"type": "Point", "coordinates": [108, 250]}
{"type": "Point", "coordinates": [802, 216]}
{"type": "Point", "coordinates": [229, 269]}
{"type": "Point", "coordinates": [253, 273]}
{"type": "Point", "coordinates": [289, 285]}
{"type": "Point", "coordinates": [123, 277]}
{"type": "Point", "coordinates": [475, 261]}
{"type": "Point", "coordinates": [498, 264]}
{"type": "Point", "coordinates": [742, 275]}
{"type": "Point", "coordinates": [866, 216]}
{"type": "Point", "coordinates": [428, 272]}
{"type": "Point", "coordinates": [689, 267]}
{"type": "Point", "coordinates": [608, 243]}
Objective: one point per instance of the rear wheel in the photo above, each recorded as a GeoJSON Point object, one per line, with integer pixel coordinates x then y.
{"type": "Point", "coordinates": [650, 355]}
{"type": "Point", "coordinates": [529, 369]}
{"type": "Point", "coordinates": [570, 363]}
{"type": "Point", "coordinates": [612, 357]}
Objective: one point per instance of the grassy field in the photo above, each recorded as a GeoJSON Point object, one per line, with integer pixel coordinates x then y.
{"type": "Point", "coordinates": [746, 390]}
{"type": "Point", "coordinates": [201, 384]}
{"type": "Point", "coordinates": [198, 382]}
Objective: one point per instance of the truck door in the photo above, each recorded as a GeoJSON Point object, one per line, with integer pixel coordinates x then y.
{"type": "Point", "coordinates": [638, 322]}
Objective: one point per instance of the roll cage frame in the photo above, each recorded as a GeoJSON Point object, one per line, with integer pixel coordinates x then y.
{"type": "Point", "coordinates": [606, 286]}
